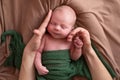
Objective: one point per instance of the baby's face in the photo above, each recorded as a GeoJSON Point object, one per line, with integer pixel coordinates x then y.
{"type": "Point", "coordinates": [60, 24]}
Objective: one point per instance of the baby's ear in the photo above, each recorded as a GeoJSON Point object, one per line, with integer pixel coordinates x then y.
{"type": "Point", "coordinates": [73, 27]}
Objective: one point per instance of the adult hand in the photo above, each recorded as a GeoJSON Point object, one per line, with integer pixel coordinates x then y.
{"type": "Point", "coordinates": [83, 34]}
{"type": "Point", "coordinates": [35, 41]}
{"type": "Point", "coordinates": [96, 67]}
{"type": "Point", "coordinates": [27, 66]}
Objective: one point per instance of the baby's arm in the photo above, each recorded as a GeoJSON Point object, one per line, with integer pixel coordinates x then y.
{"type": "Point", "coordinates": [76, 48]}
{"type": "Point", "coordinates": [42, 70]}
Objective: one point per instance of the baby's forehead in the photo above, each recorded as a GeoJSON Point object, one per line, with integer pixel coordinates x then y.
{"type": "Point", "coordinates": [65, 9]}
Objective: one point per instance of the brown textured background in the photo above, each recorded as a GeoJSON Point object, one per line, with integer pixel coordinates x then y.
{"type": "Point", "coordinates": [100, 17]}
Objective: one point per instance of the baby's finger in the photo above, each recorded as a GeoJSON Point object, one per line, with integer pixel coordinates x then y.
{"type": "Point", "coordinates": [77, 42]}
{"type": "Point", "coordinates": [46, 71]}
{"type": "Point", "coordinates": [77, 45]}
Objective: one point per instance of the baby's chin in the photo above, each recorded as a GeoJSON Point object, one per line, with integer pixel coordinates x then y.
{"type": "Point", "coordinates": [59, 37]}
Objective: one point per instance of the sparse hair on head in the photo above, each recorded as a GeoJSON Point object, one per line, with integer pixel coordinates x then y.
{"type": "Point", "coordinates": [67, 9]}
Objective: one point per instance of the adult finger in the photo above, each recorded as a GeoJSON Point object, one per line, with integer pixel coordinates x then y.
{"type": "Point", "coordinates": [46, 21]}
{"type": "Point", "coordinates": [73, 33]}
{"type": "Point", "coordinates": [84, 34]}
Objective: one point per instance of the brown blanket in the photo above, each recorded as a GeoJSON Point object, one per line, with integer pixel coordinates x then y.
{"type": "Point", "coordinates": [100, 17]}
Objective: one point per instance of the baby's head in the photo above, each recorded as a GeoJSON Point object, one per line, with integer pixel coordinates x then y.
{"type": "Point", "coordinates": [66, 14]}
{"type": "Point", "coordinates": [62, 22]}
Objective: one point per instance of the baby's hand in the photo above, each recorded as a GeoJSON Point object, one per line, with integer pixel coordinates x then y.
{"type": "Point", "coordinates": [76, 48]}
{"type": "Point", "coordinates": [42, 70]}
{"type": "Point", "coordinates": [77, 42]}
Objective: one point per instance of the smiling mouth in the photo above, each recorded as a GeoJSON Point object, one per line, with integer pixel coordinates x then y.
{"type": "Point", "coordinates": [56, 33]}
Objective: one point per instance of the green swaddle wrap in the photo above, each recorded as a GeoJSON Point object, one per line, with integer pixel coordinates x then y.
{"type": "Point", "coordinates": [61, 67]}
{"type": "Point", "coordinates": [58, 62]}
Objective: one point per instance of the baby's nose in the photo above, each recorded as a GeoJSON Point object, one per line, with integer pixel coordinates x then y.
{"type": "Point", "coordinates": [57, 27]}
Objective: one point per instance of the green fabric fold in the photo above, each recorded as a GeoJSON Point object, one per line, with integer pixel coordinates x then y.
{"type": "Point", "coordinates": [16, 47]}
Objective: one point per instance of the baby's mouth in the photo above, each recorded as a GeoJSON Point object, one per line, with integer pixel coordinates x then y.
{"type": "Point", "coordinates": [56, 33]}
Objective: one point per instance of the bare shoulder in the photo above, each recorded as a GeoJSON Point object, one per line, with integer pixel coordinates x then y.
{"type": "Point", "coordinates": [47, 36]}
